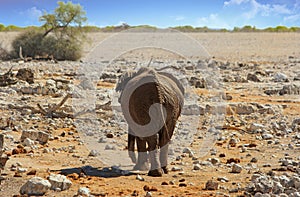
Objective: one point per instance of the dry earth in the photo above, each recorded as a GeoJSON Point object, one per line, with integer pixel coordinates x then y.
{"type": "Point", "coordinates": [259, 75]}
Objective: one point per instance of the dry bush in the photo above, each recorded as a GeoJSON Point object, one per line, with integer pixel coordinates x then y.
{"type": "Point", "coordinates": [34, 44]}
{"type": "Point", "coordinates": [30, 41]}
{"type": "Point", "coordinates": [4, 54]}
{"type": "Point", "coordinates": [67, 49]}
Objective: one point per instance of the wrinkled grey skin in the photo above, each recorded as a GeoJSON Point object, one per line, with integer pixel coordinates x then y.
{"type": "Point", "coordinates": [165, 90]}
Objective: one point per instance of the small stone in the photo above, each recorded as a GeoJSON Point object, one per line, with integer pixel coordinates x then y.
{"type": "Point", "coordinates": [17, 174]}
{"type": "Point", "coordinates": [21, 170]}
{"type": "Point", "coordinates": [267, 136]}
{"type": "Point", "coordinates": [164, 183]}
{"type": "Point", "coordinates": [140, 178]}
{"type": "Point", "coordinates": [222, 155]}
{"type": "Point", "coordinates": [93, 153]}
{"type": "Point", "coordinates": [109, 135]}
{"type": "Point", "coordinates": [59, 181]}
{"type": "Point", "coordinates": [147, 188]}
{"type": "Point", "coordinates": [236, 168]}
{"type": "Point", "coordinates": [32, 172]}
{"type": "Point", "coordinates": [197, 167]}
{"type": "Point", "coordinates": [135, 193]}
{"type": "Point", "coordinates": [73, 176]}
{"type": "Point", "coordinates": [110, 147]}
{"type": "Point", "coordinates": [280, 77]}
{"type": "Point", "coordinates": [188, 151]}
{"type": "Point", "coordinates": [233, 142]}
{"type": "Point", "coordinates": [223, 179]}
{"type": "Point", "coordinates": [35, 186]}
{"type": "Point", "coordinates": [28, 142]}
{"type": "Point", "coordinates": [254, 160]}
{"type": "Point", "coordinates": [148, 194]}
{"type": "Point", "coordinates": [176, 169]}
{"type": "Point", "coordinates": [83, 191]}
{"type": "Point", "coordinates": [211, 185]}
{"type": "Point", "coordinates": [267, 165]}
{"type": "Point", "coordinates": [215, 161]}
{"type": "Point", "coordinates": [182, 185]}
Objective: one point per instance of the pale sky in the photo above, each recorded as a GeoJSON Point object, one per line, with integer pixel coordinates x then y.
{"type": "Point", "coordinates": [162, 13]}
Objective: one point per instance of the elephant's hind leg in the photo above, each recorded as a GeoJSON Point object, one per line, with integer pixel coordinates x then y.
{"type": "Point", "coordinates": [155, 169]}
{"type": "Point", "coordinates": [163, 158]}
{"type": "Point", "coordinates": [142, 161]}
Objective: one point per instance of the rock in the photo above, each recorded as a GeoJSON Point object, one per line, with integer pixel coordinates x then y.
{"type": "Point", "coordinates": [254, 160]}
{"type": "Point", "coordinates": [35, 186]}
{"type": "Point", "coordinates": [211, 185]}
{"type": "Point", "coordinates": [25, 74]}
{"type": "Point", "coordinates": [267, 136]}
{"type": "Point", "coordinates": [236, 168]}
{"type": "Point", "coordinates": [1, 143]}
{"type": "Point", "coordinates": [197, 167]}
{"type": "Point", "coordinates": [198, 83]}
{"type": "Point", "coordinates": [87, 84]}
{"type": "Point", "coordinates": [110, 147]}
{"type": "Point", "coordinates": [290, 89]}
{"type": "Point", "coordinates": [280, 77]}
{"type": "Point", "coordinates": [223, 179]}
{"type": "Point", "coordinates": [253, 77]}
{"type": "Point", "coordinates": [59, 181]}
{"type": "Point", "coordinates": [32, 172]}
{"type": "Point", "coordinates": [215, 161]}
{"type": "Point", "coordinates": [193, 109]}
{"type": "Point", "coordinates": [182, 185]}
{"type": "Point", "coordinates": [296, 122]}
{"type": "Point", "coordinates": [28, 142]}
{"type": "Point", "coordinates": [233, 142]}
{"type": "Point", "coordinates": [39, 136]}
{"type": "Point", "coordinates": [140, 178]}
{"type": "Point", "coordinates": [93, 153]}
{"type": "Point", "coordinates": [21, 170]}
{"type": "Point", "coordinates": [83, 191]}
{"type": "Point", "coordinates": [277, 188]}
{"type": "Point", "coordinates": [188, 151]}
{"type": "Point", "coordinates": [255, 128]}
{"type": "Point", "coordinates": [176, 169]}
{"type": "Point", "coordinates": [242, 109]}
{"type": "Point", "coordinates": [149, 189]}
{"type": "Point", "coordinates": [3, 159]}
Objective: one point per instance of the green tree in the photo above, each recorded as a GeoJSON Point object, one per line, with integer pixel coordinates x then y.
{"type": "Point", "coordinates": [282, 29]}
{"type": "Point", "coordinates": [2, 27]}
{"type": "Point", "coordinates": [62, 36]}
{"type": "Point", "coordinates": [66, 16]}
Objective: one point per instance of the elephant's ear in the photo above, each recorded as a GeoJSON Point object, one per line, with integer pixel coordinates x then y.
{"type": "Point", "coordinates": [123, 80]}
{"type": "Point", "coordinates": [178, 83]}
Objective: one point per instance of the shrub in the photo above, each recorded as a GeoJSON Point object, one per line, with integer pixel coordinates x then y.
{"type": "Point", "coordinates": [34, 44]}
{"type": "Point", "coordinates": [4, 54]}
{"type": "Point", "coordinates": [66, 49]}
{"type": "Point", "coordinates": [30, 41]}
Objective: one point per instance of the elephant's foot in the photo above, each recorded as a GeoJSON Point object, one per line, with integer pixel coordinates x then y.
{"type": "Point", "coordinates": [165, 170]}
{"type": "Point", "coordinates": [155, 173]}
{"type": "Point", "coordinates": [141, 166]}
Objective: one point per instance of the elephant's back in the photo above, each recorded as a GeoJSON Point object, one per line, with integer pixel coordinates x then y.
{"type": "Point", "coordinates": [140, 101]}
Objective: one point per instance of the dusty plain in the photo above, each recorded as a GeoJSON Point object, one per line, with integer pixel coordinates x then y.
{"type": "Point", "coordinates": [260, 78]}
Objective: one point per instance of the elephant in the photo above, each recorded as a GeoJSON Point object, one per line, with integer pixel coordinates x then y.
{"type": "Point", "coordinates": [151, 102]}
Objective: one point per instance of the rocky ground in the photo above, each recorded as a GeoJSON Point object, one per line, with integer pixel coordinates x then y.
{"type": "Point", "coordinates": [239, 133]}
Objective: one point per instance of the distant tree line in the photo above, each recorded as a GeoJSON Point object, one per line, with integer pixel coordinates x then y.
{"type": "Point", "coordinates": [186, 28]}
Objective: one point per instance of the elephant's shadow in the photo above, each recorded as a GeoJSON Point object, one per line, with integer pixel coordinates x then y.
{"type": "Point", "coordinates": [105, 172]}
